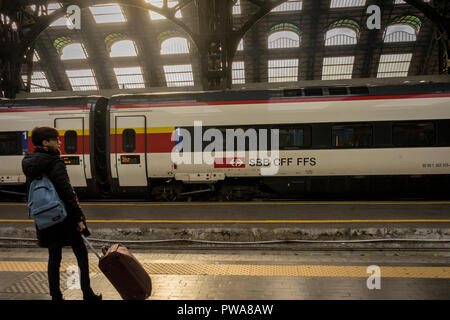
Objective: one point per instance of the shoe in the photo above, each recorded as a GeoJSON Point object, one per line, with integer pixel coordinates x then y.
{"type": "Point", "coordinates": [92, 297]}
{"type": "Point", "coordinates": [58, 298]}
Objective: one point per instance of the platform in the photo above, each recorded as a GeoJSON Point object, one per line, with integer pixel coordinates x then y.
{"type": "Point", "coordinates": [246, 275]}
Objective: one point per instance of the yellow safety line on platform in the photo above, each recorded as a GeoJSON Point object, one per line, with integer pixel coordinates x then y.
{"type": "Point", "coordinates": [134, 204]}
{"type": "Point", "coordinates": [253, 270]}
{"type": "Point", "coordinates": [251, 221]}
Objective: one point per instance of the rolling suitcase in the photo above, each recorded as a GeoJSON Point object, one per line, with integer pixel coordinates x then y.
{"type": "Point", "coordinates": [124, 272]}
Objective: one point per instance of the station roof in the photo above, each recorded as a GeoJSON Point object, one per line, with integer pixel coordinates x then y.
{"type": "Point", "coordinates": [122, 48]}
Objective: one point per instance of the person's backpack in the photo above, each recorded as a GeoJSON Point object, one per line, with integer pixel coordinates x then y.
{"type": "Point", "coordinates": [46, 208]}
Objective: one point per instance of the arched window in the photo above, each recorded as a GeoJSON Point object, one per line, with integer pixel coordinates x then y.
{"type": "Point", "coordinates": [69, 50]}
{"type": "Point", "coordinates": [283, 35]}
{"type": "Point", "coordinates": [73, 51]}
{"type": "Point", "coordinates": [175, 45]}
{"type": "Point", "coordinates": [342, 32]}
{"type": "Point", "coordinates": [403, 29]}
{"type": "Point", "coordinates": [123, 48]}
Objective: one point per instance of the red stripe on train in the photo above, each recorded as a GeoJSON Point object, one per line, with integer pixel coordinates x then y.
{"type": "Point", "coordinates": [25, 109]}
{"type": "Point", "coordinates": [285, 100]}
{"type": "Point", "coordinates": [83, 146]}
{"type": "Point", "coordinates": [156, 143]}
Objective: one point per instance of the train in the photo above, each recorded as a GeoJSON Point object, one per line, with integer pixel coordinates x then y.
{"type": "Point", "coordinates": [312, 142]}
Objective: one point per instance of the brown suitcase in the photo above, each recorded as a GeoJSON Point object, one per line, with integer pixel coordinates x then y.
{"type": "Point", "coordinates": [124, 272]}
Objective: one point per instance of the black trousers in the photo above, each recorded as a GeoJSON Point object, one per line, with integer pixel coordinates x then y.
{"type": "Point", "coordinates": [54, 263]}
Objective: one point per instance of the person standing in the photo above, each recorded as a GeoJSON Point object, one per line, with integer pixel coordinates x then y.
{"type": "Point", "coordinates": [46, 160]}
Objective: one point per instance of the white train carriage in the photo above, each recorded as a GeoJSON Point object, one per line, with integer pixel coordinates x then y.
{"type": "Point", "coordinates": [342, 140]}
{"type": "Point", "coordinates": [386, 140]}
{"type": "Point", "coordinates": [76, 120]}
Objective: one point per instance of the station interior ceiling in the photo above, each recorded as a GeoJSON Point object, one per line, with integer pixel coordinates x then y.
{"type": "Point", "coordinates": [118, 48]}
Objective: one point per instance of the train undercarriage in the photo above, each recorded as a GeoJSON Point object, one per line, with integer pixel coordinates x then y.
{"type": "Point", "coordinates": [263, 188]}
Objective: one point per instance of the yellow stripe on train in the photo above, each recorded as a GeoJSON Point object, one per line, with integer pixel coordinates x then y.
{"type": "Point", "coordinates": [80, 132]}
{"type": "Point", "coordinates": [142, 130]}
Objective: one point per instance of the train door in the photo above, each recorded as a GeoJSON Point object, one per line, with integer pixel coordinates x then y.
{"type": "Point", "coordinates": [72, 148]}
{"type": "Point", "coordinates": [131, 150]}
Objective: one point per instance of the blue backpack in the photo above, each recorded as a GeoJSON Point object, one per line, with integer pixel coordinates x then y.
{"type": "Point", "coordinates": [46, 208]}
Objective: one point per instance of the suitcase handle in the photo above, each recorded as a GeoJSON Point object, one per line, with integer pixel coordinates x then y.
{"type": "Point", "coordinates": [90, 246]}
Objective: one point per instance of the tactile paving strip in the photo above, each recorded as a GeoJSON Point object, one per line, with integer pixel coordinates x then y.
{"type": "Point", "coordinates": [36, 283]}
{"type": "Point", "coordinates": [253, 270]}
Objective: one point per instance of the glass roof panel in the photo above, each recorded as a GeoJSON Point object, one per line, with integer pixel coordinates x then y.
{"type": "Point", "coordinates": [179, 75]}
{"type": "Point", "coordinates": [283, 70]}
{"type": "Point", "coordinates": [347, 3]}
{"type": "Point", "coordinates": [238, 72]}
{"type": "Point", "coordinates": [237, 7]}
{"type": "Point", "coordinates": [335, 68]}
{"type": "Point", "coordinates": [109, 13]}
{"type": "Point", "coordinates": [82, 80]}
{"type": "Point", "coordinates": [129, 78]}
{"type": "Point", "coordinates": [290, 5]}
{"type": "Point", "coordinates": [394, 65]}
{"type": "Point", "coordinates": [39, 82]}
{"type": "Point", "coordinates": [61, 22]}
{"type": "Point", "coordinates": [403, 2]}
{"type": "Point", "coordinates": [240, 46]}
{"type": "Point", "coordinates": [36, 57]}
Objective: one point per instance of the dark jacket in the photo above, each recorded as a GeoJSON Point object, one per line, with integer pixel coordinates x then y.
{"type": "Point", "coordinates": [46, 160]}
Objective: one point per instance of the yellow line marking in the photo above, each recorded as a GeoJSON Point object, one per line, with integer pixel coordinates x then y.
{"type": "Point", "coordinates": [252, 221]}
{"type": "Point", "coordinates": [253, 270]}
{"type": "Point", "coordinates": [134, 204]}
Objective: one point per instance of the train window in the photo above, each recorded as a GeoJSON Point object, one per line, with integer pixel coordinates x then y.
{"type": "Point", "coordinates": [239, 138]}
{"type": "Point", "coordinates": [10, 143]}
{"type": "Point", "coordinates": [352, 135]}
{"type": "Point", "coordinates": [313, 92]}
{"type": "Point", "coordinates": [443, 131]}
{"type": "Point", "coordinates": [337, 91]}
{"type": "Point", "coordinates": [292, 92]}
{"type": "Point", "coordinates": [295, 137]}
{"type": "Point", "coordinates": [359, 90]}
{"type": "Point", "coordinates": [129, 140]}
{"type": "Point", "coordinates": [70, 142]}
{"type": "Point", "coordinates": [413, 134]}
